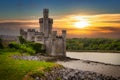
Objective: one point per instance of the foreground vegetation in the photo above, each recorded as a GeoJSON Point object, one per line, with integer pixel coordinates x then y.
{"type": "Point", "coordinates": [14, 69]}
{"type": "Point", "coordinates": [93, 44]}
{"type": "Point", "coordinates": [11, 69]}
{"type": "Point", "coordinates": [23, 46]}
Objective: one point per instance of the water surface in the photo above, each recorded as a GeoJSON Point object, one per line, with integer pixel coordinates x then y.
{"type": "Point", "coordinates": [110, 58]}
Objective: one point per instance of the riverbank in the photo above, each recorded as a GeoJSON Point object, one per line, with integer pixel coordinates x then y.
{"type": "Point", "coordinates": [73, 68]}
{"type": "Point", "coordinates": [17, 66]}
{"type": "Point", "coordinates": [101, 68]}
{"type": "Point", "coordinates": [71, 74]}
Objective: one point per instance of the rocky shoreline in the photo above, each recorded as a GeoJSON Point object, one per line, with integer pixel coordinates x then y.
{"type": "Point", "coordinates": [72, 74]}
{"type": "Point", "coordinates": [43, 58]}
{"type": "Point", "coordinates": [65, 73]}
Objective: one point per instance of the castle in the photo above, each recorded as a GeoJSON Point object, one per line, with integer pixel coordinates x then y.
{"type": "Point", "coordinates": [54, 45]}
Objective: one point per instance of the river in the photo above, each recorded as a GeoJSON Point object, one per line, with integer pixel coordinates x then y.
{"type": "Point", "coordinates": [110, 58]}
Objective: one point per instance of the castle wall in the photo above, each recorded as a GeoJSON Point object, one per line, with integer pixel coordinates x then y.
{"type": "Point", "coordinates": [48, 45]}
{"type": "Point", "coordinates": [64, 41]}
{"type": "Point", "coordinates": [55, 46]}
{"type": "Point", "coordinates": [59, 47]}
{"type": "Point", "coordinates": [31, 35]}
{"type": "Point", "coordinates": [23, 33]}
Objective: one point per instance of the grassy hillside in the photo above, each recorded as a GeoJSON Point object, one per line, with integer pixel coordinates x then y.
{"type": "Point", "coordinates": [11, 69]}
{"type": "Point", "coordinates": [93, 44]}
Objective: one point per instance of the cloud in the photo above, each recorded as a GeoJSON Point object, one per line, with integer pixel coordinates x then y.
{"type": "Point", "coordinates": [67, 21]}
{"type": "Point", "coordinates": [102, 25]}
{"type": "Point", "coordinates": [94, 32]}
{"type": "Point", "coordinates": [111, 21]}
{"type": "Point", "coordinates": [13, 27]}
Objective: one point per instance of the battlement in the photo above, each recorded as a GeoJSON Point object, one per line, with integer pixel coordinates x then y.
{"type": "Point", "coordinates": [31, 30]}
{"type": "Point", "coordinates": [55, 35]}
{"type": "Point", "coordinates": [39, 33]}
{"type": "Point", "coordinates": [59, 36]}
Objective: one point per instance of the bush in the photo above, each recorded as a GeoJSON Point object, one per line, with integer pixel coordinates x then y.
{"type": "Point", "coordinates": [14, 45]}
{"type": "Point", "coordinates": [28, 47]}
{"type": "Point", "coordinates": [37, 47]}
{"type": "Point", "coordinates": [22, 48]}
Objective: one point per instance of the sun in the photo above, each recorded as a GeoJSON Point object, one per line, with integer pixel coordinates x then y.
{"type": "Point", "coordinates": [81, 24]}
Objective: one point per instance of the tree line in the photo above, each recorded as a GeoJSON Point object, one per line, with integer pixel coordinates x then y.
{"type": "Point", "coordinates": [78, 44]}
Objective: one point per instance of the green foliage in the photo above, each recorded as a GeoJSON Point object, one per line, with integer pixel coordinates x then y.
{"type": "Point", "coordinates": [12, 69]}
{"type": "Point", "coordinates": [37, 47]}
{"type": "Point", "coordinates": [28, 47]}
{"type": "Point", "coordinates": [14, 45]}
{"type": "Point", "coordinates": [77, 44]}
{"type": "Point", "coordinates": [22, 48]}
{"type": "Point", "coordinates": [1, 45]}
{"type": "Point", "coordinates": [22, 40]}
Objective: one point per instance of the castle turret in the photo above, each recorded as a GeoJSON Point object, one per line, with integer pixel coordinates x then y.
{"type": "Point", "coordinates": [46, 23]}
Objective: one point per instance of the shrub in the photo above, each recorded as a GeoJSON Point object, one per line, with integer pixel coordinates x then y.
{"type": "Point", "coordinates": [37, 47]}
{"type": "Point", "coordinates": [14, 45]}
{"type": "Point", "coordinates": [22, 48]}
{"type": "Point", "coordinates": [27, 46]}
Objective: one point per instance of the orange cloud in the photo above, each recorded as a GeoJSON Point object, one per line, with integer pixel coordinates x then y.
{"type": "Point", "coordinates": [102, 25]}
{"type": "Point", "coordinates": [94, 20]}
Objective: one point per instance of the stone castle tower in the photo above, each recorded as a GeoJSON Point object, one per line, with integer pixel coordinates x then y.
{"type": "Point", "coordinates": [46, 23]}
{"type": "Point", "coordinates": [54, 45]}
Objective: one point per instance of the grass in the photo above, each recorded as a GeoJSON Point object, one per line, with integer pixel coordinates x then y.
{"type": "Point", "coordinates": [11, 69]}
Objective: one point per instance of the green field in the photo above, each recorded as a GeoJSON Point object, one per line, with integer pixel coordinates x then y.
{"type": "Point", "coordinates": [11, 69]}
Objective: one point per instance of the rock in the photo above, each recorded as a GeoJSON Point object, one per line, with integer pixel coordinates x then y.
{"type": "Point", "coordinates": [71, 74]}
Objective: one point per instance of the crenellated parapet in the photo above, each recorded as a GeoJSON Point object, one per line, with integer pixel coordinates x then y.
{"type": "Point", "coordinates": [31, 30]}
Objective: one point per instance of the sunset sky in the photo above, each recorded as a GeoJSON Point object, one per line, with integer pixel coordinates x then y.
{"type": "Point", "coordinates": [81, 18]}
